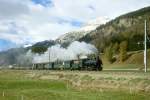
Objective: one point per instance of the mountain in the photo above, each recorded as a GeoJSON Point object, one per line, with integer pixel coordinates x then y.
{"type": "Point", "coordinates": [83, 31]}
{"type": "Point", "coordinates": [11, 56]}
{"type": "Point", "coordinates": [128, 27]}
{"type": "Point", "coordinates": [17, 55]}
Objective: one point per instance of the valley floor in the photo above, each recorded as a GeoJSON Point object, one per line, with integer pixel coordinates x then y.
{"type": "Point", "coordinates": [73, 85]}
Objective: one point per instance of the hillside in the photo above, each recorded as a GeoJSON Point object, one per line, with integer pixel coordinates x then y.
{"type": "Point", "coordinates": [129, 27]}
{"type": "Point", "coordinates": [135, 60]}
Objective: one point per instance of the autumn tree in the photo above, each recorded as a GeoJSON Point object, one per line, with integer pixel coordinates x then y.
{"type": "Point", "coordinates": [109, 53]}
{"type": "Point", "coordinates": [115, 48]}
{"type": "Point", "coordinates": [123, 50]}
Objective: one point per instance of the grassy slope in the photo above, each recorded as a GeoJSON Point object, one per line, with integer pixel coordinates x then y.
{"type": "Point", "coordinates": [28, 84]}
{"type": "Point", "coordinates": [134, 61]}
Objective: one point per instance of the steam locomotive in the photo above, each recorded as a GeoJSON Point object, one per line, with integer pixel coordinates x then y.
{"type": "Point", "coordinates": [86, 64]}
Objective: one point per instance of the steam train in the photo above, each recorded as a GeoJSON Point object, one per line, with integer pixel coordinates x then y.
{"type": "Point", "coordinates": [78, 64]}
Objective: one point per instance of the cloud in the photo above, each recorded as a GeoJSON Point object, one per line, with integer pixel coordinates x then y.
{"type": "Point", "coordinates": [29, 21]}
{"type": "Point", "coordinates": [85, 10]}
{"type": "Point", "coordinates": [35, 22]}
{"type": "Point", "coordinates": [12, 8]}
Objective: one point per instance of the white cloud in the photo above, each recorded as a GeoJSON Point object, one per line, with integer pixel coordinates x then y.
{"type": "Point", "coordinates": [81, 9]}
{"type": "Point", "coordinates": [36, 24]}
{"type": "Point", "coordinates": [23, 21]}
{"type": "Point", "coordinates": [12, 8]}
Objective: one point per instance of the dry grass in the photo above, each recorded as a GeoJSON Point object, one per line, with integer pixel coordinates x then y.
{"type": "Point", "coordinates": [135, 81]}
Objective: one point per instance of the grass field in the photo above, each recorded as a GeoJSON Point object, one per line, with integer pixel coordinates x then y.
{"type": "Point", "coordinates": [73, 85]}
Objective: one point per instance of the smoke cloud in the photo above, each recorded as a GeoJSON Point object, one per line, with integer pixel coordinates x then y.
{"type": "Point", "coordinates": [57, 52]}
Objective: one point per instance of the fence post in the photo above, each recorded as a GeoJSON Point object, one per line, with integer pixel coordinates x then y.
{"type": "Point", "coordinates": [3, 93]}
{"type": "Point", "coordinates": [21, 97]}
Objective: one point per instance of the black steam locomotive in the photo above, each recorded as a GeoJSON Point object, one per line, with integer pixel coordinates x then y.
{"type": "Point", "coordinates": [86, 64]}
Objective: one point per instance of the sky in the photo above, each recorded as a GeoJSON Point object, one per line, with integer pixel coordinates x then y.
{"type": "Point", "coordinates": [30, 21]}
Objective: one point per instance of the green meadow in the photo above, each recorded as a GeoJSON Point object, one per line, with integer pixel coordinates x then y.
{"type": "Point", "coordinates": [73, 85]}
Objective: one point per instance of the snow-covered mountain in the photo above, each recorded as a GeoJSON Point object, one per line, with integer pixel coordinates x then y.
{"type": "Point", "coordinates": [84, 30]}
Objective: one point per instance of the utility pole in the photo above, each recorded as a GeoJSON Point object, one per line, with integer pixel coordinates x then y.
{"type": "Point", "coordinates": [49, 56]}
{"type": "Point", "coordinates": [145, 47]}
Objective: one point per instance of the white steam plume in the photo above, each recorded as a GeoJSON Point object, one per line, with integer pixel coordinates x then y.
{"type": "Point", "coordinates": [57, 52]}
